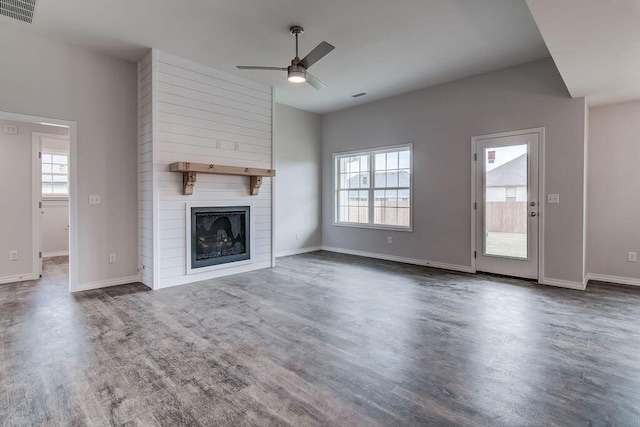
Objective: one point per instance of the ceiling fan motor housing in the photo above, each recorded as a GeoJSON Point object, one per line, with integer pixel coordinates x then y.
{"type": "Point", "coordinates": [297, 73]}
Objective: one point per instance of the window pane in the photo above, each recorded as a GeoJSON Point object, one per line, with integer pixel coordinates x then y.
{"type": "Point", "coordinates": [61, 160]}
{"type": "Point", "coordinates": [391, 196]}
{"type": "Point", "coordinates": [60, 169]}
{"type": "Point", "coordinates": [404, 178]}
{"type": "Point", "coordinates": [46, 158]}
{"type": "Point", "coordinates": [381, 180]}
{"type": "Point", "coordinates": [403, 217]}
{"type": "Point", "coordinates": [47, 178]}
{"type": "Point", "coordinates": [46, 168]}
{"type": "Point", "coordinates": [392, 160]}
{"type": "Point", "coordinates": [46, 188]}
{"type": "Point", "coordinates": [364, 163]}
{"type": "Point", "coordinates": [59, 188]}
{"type": "Point", "coordinates": [381, 161]}
{"type": "Point", "coordinates": [392, 179]}
{"type": "Point", "coordinates": [405, 160]}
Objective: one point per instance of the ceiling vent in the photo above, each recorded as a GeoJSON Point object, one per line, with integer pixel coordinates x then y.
{"type": "Point", "coordinates": [22, 10]}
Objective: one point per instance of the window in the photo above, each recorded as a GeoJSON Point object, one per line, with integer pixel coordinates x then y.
{"type": "Point", "coordinates": [55, 174]}
{"type": "Point", "coordinates": [511, 194]}
{"type": "Point", "coordinates": [373, 188]}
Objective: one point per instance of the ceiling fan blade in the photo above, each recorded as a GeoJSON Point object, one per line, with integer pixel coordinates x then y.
{"type": "Point", "coordinates": [315, 82]}
{"type": "Point", "coordinates": [251, 67]}
{"type": "Point", "coordinates": [316, 54]}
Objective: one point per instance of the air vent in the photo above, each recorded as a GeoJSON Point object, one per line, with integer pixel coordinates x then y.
{"type": "Point", "coordinates": [22, 10]}
{"type": "Point", "coordinates": [358, 95]}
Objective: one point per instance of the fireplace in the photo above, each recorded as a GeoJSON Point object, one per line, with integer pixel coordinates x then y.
{"type": "Point", "coordinates": [219, 235]}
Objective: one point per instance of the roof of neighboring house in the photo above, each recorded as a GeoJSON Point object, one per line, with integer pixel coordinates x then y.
{"type": "Point", "coordinates": [354, 181]}
{"type": "Point", "coordinates": [511, 174]}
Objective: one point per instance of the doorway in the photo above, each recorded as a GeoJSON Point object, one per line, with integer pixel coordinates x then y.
{"type": "Point", "coordinates": [28, 171]}
{"type": "Point", "coordinates": [506, 188]}
{"type": "Point", "coordinates": [52, 195]}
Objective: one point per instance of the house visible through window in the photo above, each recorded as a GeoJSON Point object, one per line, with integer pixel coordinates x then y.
{"type": "Point", "coordinates": [373, 188]}
{"type": "Point", "coordinates": [55, 174]}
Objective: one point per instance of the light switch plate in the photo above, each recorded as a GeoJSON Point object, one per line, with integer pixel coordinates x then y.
{"type": "Point", "coordinates": [11, 129]}
{"type": "Point", "coordinates": [94, 199]}
{"type": "Point", "coordinates": [553, 198]}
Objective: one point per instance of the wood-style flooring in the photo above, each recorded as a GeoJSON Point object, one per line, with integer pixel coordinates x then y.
{"type": "Point", "coordinates": [322, 339]}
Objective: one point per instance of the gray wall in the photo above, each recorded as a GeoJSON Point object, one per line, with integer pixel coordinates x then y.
{"type": "Point", "coordinates": [42, 77]}
{"type": "Point", "coordinates": [614, 189]}
{"type": "Point", "coordinates": [440, 121]}
{"type": "Point", "coordinates": [298, 181]}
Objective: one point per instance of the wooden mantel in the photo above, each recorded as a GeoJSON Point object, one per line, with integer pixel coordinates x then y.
{"type": "Point", "coordinates": [189, 171]}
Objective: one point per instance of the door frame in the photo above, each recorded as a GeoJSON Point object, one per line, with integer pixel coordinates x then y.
{"type": "Point", "coordinates": [541, 190]}
{"type": "Point", "coordinates": [73, 188]}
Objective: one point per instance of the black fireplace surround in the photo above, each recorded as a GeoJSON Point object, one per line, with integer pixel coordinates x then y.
{"type": "Point", "coordinates": [219, 235]}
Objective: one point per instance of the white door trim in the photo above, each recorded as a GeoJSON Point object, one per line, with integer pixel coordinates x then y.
{"type": "Point", "coordinates": [73, 185]}
{"type": "Point", "coordinates": [541, 189]}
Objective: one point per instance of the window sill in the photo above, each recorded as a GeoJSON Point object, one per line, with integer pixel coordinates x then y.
{"type": "Point", "coordinates": [49, 198]}
{"type": "Point", "coordinates": [373, 226]}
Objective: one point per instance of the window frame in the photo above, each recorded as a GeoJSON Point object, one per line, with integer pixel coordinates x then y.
{"type": "Point", "coordinates": [371, 152]}
{"type": "Point", "coordinates": [55, 196]}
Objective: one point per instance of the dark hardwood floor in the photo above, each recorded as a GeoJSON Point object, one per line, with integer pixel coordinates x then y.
{"type": "Point", "coordinates": [323, 339]}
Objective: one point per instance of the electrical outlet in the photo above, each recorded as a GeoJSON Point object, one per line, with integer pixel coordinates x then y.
{"type": "Point", "coordinates": [112, 258]}
{"type": "Point", "coordinates": [13, 255]}
{"type": "Point", "coordinates": [389, 240]}
{"type": "Point", "coordinates": [553, 198]}
{"type": "Point", "coordinates": [94, 199]}
{"type": "Point", "coordinates": [631, 257]}
{"type": "Point", "coordinates": [297, 236]}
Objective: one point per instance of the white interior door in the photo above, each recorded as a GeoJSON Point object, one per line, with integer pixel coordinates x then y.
{"type": "Point", "coordinates": [506, 209]}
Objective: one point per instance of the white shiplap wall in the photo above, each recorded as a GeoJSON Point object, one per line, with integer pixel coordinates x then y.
{"type": "Point", "coordinates": [206, 116]}
{"type": "Point", "coordinates": [145, 170]}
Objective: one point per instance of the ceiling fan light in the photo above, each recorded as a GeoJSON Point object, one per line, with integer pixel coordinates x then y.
{"type": "Point", "coordinates": [297, 76]}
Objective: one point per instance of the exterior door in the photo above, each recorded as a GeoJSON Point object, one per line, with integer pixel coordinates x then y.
{"type": "Point", "coordinates": [506, 208]}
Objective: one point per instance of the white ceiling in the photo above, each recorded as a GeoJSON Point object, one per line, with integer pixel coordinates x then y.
{"type": "Point", "coordinates": [383, 47]}
{"type": "Point", "coordinates": [595, 45]}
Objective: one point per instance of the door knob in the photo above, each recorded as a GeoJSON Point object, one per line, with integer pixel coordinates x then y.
{"type": "Point", "coordinates": [532, 214]}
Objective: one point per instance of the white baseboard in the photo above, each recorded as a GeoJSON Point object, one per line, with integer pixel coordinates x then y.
{"type": "Point", "coordinates": [414, 261]}
{"type": "Point", "coordinates": [105, 283]}
{"type": "Point", "coordinates": [613, 279]}
{"type": "Point", "coordinates": [563, 284]}
{"type": "Point", "coordinates": [14, 279]}
{"type": "Point", "coordinates": [298, 251]}
{"type": "Point", "coordinates": [452, 267]}
{"type": "Point", "coordinates": [52, 254]}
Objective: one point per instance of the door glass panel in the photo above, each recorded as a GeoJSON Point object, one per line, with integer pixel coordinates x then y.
{"type": "Point", "coordinates": [505, 203]}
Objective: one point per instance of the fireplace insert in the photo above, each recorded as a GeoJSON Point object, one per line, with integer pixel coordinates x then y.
{"type": "Point", "coordinates": [219, 235]}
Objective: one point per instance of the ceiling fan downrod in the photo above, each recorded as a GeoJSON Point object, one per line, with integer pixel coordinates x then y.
{"type": "Point", "coordinates": [297, 31]}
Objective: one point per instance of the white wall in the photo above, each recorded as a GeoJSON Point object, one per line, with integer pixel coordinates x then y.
{"type": "Point", "coordinates": [440, 121]}
{"type": "Point", "coordinates": [614, 189]}
{"type": "Point", "coordinates": [202, 115]}
{"type": "Point", "coordinates": [298, 157]}
{"type": "Point", "coordinates": [42, 77]}
{"type": "Point", "coordinates": [16, 230]}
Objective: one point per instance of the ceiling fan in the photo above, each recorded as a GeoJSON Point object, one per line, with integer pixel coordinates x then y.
{"type": "Point", "coordinates": [297, 71]}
